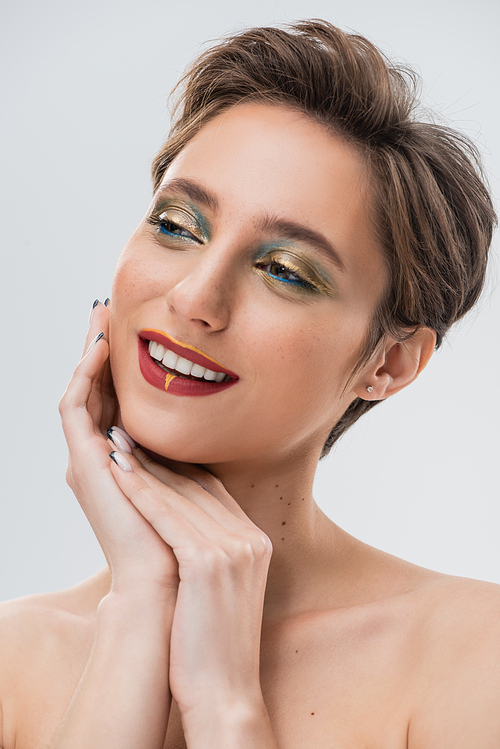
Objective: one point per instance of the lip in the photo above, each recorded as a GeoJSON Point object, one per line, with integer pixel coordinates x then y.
{"type": "Point", "coordinates": [183, 386]}
{"type": "Point", "coordinates": [186, 351]}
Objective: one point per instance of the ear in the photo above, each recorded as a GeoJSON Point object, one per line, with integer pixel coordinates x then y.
{"type": "Point", "coordinates": [395, 365]}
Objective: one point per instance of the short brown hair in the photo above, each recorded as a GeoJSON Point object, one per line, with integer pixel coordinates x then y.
{"type": "Point", "coordinates": [434, 215]}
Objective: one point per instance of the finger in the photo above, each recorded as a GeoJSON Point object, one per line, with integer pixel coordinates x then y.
{"type": "Point", "coordinates": [76, 419]}
{"type": "Point", "coordinates": [195, 503]}
{"type": "Point", "coordinates": [109, 403]}
{"type": "Point", "coordinates": [181, 524]}
{"type": "Point", "coordinates": [101, 402]}
{"type": "Point", "coordinates": [99, 324]}
{"type": "Point", "coordinates": [98, 315]}
{"type": "Point", "coordinates": [91, 332]}
{"type": "Point", "coordinates": [196, 477]}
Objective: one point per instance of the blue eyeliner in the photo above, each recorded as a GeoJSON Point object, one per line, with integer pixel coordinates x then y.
{"type": "Point", "coordinates": [310, 277]}
{"type": "Point", "coordinates": [192, 220]}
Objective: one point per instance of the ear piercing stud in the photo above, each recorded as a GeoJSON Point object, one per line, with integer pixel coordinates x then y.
{"type": "Point", "coordinates": [369, 389]}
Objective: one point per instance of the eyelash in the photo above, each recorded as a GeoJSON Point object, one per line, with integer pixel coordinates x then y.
{"type": "Point", "coordinates": [161, 224]}
{"type": "Point", "coordinates": [299, 280]}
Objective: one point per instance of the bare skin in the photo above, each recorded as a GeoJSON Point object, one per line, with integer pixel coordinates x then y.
{"type": "Point", "coordinates": [324, 641]}
{"type": "Point", "coordinates": [402, 660]}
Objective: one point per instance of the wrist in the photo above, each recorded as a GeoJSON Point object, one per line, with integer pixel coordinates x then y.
{"type": "Point", "coordinates": [136, 605]}
{"type": "Point", "coordinates": [241, 723]}
{"type": "Point", "coordinates": [132, 585]}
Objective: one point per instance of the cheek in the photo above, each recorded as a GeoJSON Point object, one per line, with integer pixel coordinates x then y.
{"type": "Point", "coordinates": [132, 286]}
{"type": "Point", "coordinates": [134, 279]}
{"type": "Point", "coordinates": [322, 349]}
{"type": "Point", "coordinates": [306, 364]}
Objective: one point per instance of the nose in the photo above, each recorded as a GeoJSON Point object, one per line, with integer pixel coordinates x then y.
{"type": "Point", "coordinates": [203, 295]}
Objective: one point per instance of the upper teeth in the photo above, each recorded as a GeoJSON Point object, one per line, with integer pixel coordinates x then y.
{"type": "Point", "coordinates": [183, 366]}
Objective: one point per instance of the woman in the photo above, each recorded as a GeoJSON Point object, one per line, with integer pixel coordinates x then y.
{"type": "Point", "coordinates": [307, 247]}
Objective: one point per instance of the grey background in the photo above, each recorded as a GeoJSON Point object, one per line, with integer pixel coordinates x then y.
{"type": "Point", "coordinates": [83, 94]}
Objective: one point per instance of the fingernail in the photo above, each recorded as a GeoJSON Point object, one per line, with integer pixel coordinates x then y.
{"type": "Point", "coordinates": [107, 301]}
{"type": "Point", "coordinates": [119, 440]}
{"type": "Point", "coordinates": [93, 343]}
{"type": "Point", "coordinates": [92, 310]}
{"type": "Point", "coordinates": [125, 435]}
{"type": "Point", "coordinates": [121, 461]}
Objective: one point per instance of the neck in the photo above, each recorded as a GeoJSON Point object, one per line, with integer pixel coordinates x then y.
{"type": "Point", "coordinates": [307, 546]}
{"type": "Point", "coordinates": [278, 499]}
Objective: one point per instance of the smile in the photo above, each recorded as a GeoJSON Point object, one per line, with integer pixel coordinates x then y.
{"type": "Point", "coordinates": [179, 368]}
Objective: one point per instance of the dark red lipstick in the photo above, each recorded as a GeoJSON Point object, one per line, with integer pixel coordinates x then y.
{"type": "Point", "coordinates": [173, 382]}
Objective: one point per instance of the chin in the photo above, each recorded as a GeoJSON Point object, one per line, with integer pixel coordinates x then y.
{"type": "Point", "coordinates": [165, 440]}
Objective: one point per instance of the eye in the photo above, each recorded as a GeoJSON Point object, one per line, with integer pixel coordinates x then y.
{"type": "Point", "coordinates": [169, 227]}
{"type": "Point", "coordinates": [175, 224]}
{"type": "Point", "coordinates": [292, 269]}
{"type": "Point", "coordinates": [282, 273]}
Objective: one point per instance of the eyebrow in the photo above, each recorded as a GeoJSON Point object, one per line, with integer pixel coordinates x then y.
{"type": "Point", "coordinates": [191, 190]}
{"type": "Point", "coordinates": [299, 233]}
{"type": "Point", "coordinates": [268, 224]}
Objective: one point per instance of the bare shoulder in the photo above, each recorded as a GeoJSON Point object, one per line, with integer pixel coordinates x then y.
{"type": "Point", "coordinates": [459, 614]}
{"type": "Point", "coordinates": [445, 639]}
{"type": "Point", "coordinates": [44, 645]}
{"type": "Point", "coordinates": [29, 621]}
{"type": "Point", "coordinates": [450, 632]}
{"type": "Point", "coordinates": [457, 676]}
{"type": "Point", "coordinates": [467, 601]}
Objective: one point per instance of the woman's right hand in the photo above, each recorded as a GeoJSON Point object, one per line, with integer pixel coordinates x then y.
{"type": "Point", "coordinates": [138, 558]}
{"type": "Point", "coordinates": [122, 700]}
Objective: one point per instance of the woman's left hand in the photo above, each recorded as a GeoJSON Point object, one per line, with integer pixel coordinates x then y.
{"type": "Point", "coordinates": [223, 563]}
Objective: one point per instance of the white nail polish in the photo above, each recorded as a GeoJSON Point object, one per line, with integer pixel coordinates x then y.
{"type": "Point", "coordinates": [121, 461]}
{"type": "Point", "coordinates": [117, 438]}
{"type": "Point", "coordinates": [92, 310]}
{"type": "Point", "coordinates": [93, 343]}
{"type": "Point", "coordinates": [125, 436]}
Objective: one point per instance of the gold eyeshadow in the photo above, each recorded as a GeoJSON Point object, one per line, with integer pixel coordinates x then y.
{"type": "Point", "coordinates": [308, 277]}
{"type": "Point", "coordinates": [180, 216]}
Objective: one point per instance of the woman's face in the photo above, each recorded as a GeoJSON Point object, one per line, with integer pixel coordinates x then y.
{"type": "Point", "coordinates": [257, 256]}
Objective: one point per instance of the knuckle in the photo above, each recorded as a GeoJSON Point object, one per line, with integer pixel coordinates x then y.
{"type": "Point", "coordinates": [75, 475]}
{"type": "Point", "coordinates": [203, 561]}
{"type": "Point", "coordinates": [240, 551]}
{"type": "Point", "coordinates": [63, 404]}
{"type": "Point", "coordinates": [213, 559]}
{"type": "Point", "coordinates": [140, 488]}
{"type": "Point", "coordinates": [265, 545]}
{"type": "Point", "coordinates": [246, 551]}
{"type": "Point", "coordinates": [70, 479]}
{"type": "Point", "coordinates": [261, 542]}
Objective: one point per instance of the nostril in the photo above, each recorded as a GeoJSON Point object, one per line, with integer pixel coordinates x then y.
{"type": "Point", "coordinates": [196, 299]}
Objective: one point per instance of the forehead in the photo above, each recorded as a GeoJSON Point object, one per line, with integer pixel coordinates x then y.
{"type": "Point", "coordinates": [267, 159]}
